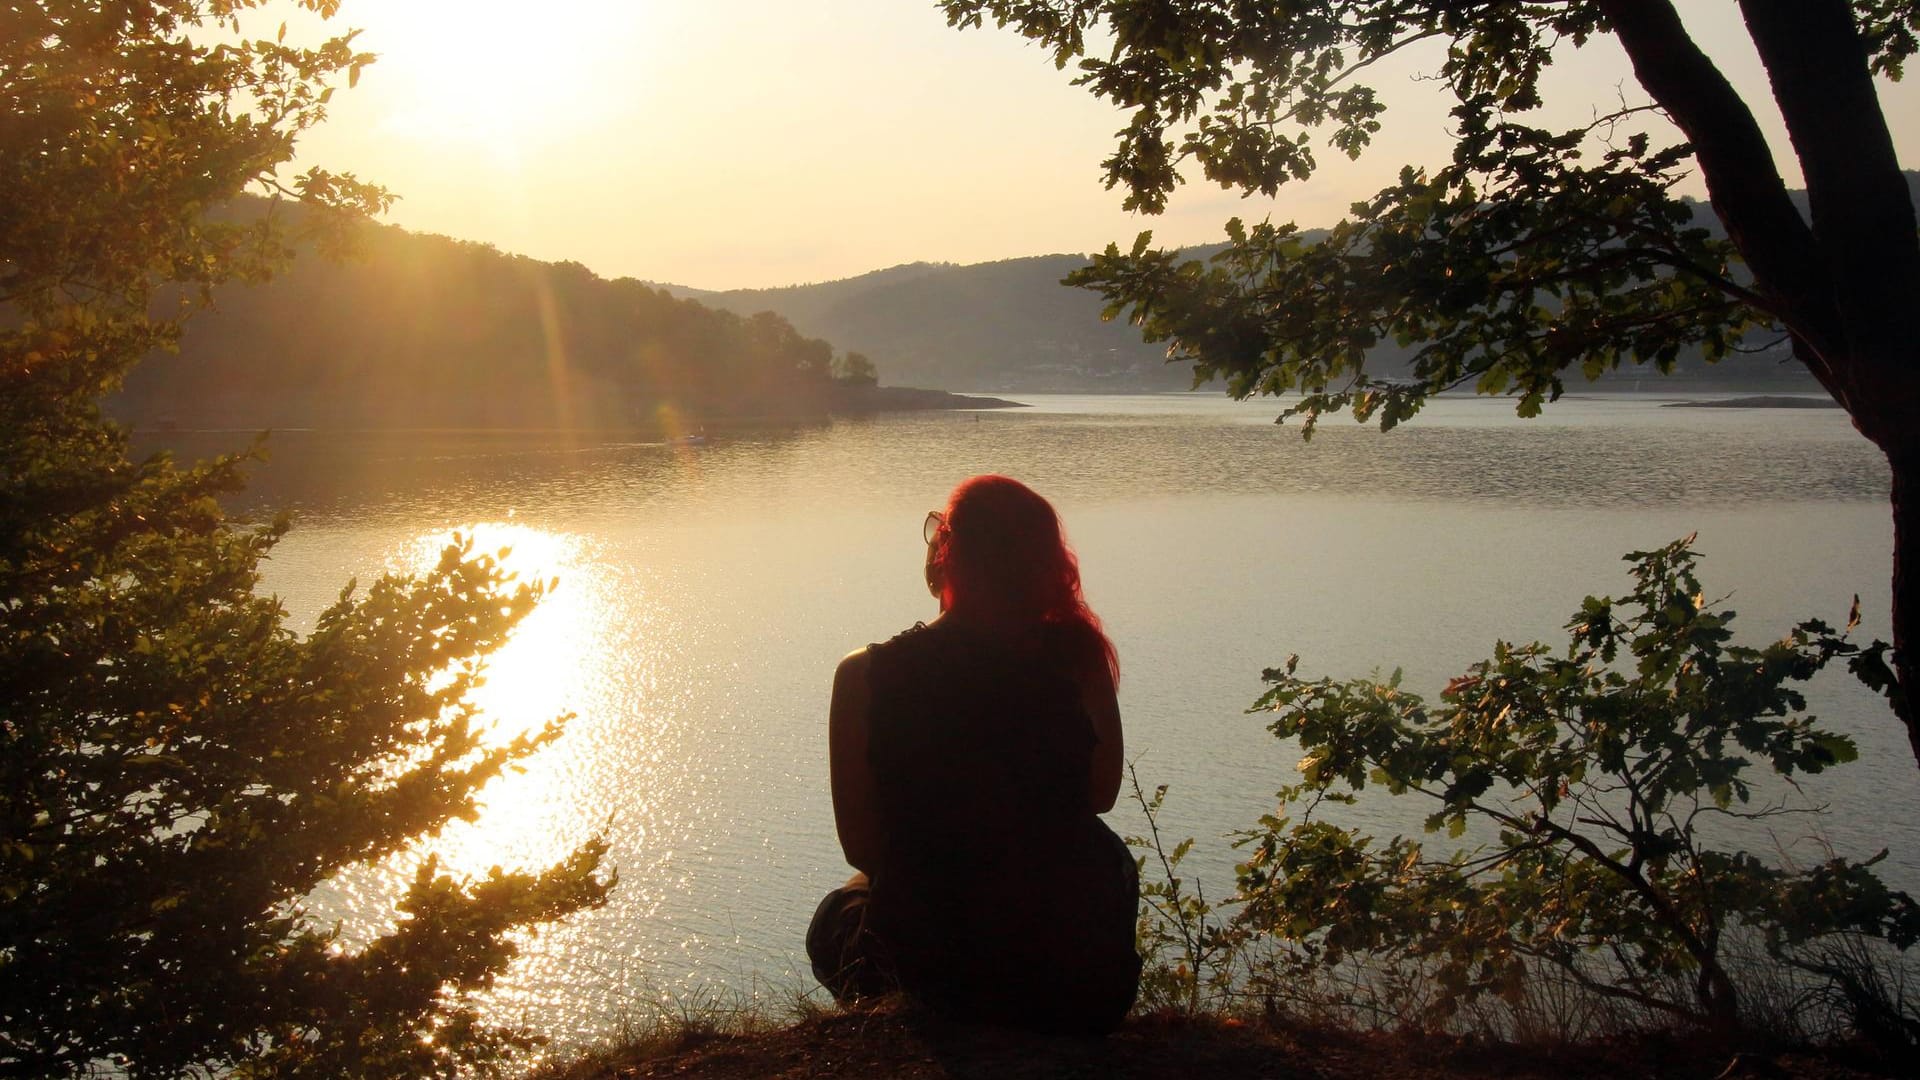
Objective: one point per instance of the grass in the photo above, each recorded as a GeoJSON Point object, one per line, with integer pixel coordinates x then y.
{"type": "Point", "coordinates": [894, 1039]}
{"type": "Point", "coordinates": [675, 1026]}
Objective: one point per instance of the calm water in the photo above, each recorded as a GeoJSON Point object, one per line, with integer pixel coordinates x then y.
{"type": "Point", "coordinates": [706, 594]}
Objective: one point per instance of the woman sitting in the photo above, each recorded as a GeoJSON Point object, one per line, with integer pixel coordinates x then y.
{"type": "Point", "coordinates": [970, 757]}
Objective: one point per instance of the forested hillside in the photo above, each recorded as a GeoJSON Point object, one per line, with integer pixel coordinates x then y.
{"type": "Point", "coordinates": [425, 331]}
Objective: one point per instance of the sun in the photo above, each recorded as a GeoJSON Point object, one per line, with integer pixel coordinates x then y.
{"type": "Point", "coordinates": [508, 77]}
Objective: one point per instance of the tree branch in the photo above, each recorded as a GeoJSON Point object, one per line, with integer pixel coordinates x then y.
{"type": "Point", "coordinates": [1663, 907]}
{"type": "Point", "coordinates": [1588, 982]}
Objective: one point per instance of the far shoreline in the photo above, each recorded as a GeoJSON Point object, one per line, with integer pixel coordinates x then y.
{"type": "Point", "coordinates": [1759, 401]}
{"type": "Point", "coordinates": [872, 399]}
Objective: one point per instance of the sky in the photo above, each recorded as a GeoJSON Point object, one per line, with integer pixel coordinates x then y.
{"type": "Point", "coordinates": [725, 144]}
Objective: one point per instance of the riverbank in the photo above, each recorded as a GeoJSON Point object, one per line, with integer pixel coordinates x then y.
{"type": "Point", "coordinates": [890, 1041]}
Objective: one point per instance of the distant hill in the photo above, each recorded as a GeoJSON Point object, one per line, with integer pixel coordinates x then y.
{"type": "Point", "coordinates": [995, 327]}
{"type": "Point", "coordinates": [1010, 326]}
{"type": "Point", "coordinates": [426, 331]}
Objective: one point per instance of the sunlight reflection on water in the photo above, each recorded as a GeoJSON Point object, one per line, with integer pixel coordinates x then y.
{"type": "Point", "coordinates": [704, 598]}
{"type": "Point", "coordinates": [552, 665]}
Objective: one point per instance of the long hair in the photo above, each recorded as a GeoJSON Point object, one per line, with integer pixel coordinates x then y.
{"type": "Point", "coordinates": [1004, 556]}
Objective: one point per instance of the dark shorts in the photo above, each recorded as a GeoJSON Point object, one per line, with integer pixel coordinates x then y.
{"type": "Point", "coordinates": [846, 956]}
{"type": "Point", "coordinates": [1008, 949]}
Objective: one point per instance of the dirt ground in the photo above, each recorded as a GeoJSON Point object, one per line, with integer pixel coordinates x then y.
{"type": "Point", "coordinates": [894, 1042]}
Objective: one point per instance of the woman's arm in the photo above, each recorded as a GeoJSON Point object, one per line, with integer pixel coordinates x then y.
{"type": "Point", "coordinates": [1109, 749]}
{"type": "Point", "coordinates": [856, 813]}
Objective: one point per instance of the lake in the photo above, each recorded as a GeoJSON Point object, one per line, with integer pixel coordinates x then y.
{"type": "Point", "coordinates": [706, 593]}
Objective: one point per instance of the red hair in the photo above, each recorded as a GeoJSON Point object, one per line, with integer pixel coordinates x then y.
{"type": "Point", "coordinates": [1004, 556]}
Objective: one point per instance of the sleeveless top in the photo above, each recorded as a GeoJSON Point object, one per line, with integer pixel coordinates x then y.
{"type": "Point", "coordinates": [999, 895]}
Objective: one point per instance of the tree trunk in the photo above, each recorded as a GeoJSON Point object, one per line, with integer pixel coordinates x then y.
{"type": "Point", "coordinates": [1905, 459]}
{"type": "Point", "coordinates": [1717, 996]}
{"type": "Point", "coordinates": [1854, 328]}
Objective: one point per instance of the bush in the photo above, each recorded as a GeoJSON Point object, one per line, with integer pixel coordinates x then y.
{"type": "Point", "coordinates": [1591, 774]}
{"type": "Point", "coordinates": [1187, 945]}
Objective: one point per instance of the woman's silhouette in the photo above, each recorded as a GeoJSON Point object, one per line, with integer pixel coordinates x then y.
{"type": "Point", "coordinates": [970, 757]}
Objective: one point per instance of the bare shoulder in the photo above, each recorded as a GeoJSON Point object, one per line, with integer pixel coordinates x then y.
{"type": "Point", "coordinates": [854, 665]}
{"type": "Point", "coordinates": [850, 686]}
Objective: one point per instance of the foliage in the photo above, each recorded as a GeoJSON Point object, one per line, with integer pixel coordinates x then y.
{"type": "Point", "coordinates": [1187, 948]}
{"type": "Point", "coordinates": [177, 768]}
{"type": "Point", "coordinates": [856, 370]}
{"type": "Point", "coordinates": [1592, 785]}
{"type": "Point", "coordinates": [1479, 279]}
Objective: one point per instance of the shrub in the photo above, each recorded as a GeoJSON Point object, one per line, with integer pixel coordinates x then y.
{"type": "Point", "coordinates": [1589, 779]}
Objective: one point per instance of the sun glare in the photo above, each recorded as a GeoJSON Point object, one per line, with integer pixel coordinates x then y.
{"type": "Point", "coordinates": [505, 77]}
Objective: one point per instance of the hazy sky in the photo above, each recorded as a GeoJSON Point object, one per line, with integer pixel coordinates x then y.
{"type": "Point", "coordinates": [745, 143]}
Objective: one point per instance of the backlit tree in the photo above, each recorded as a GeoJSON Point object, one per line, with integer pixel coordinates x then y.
{"type": "Point", "coordinates": [178, 770]}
